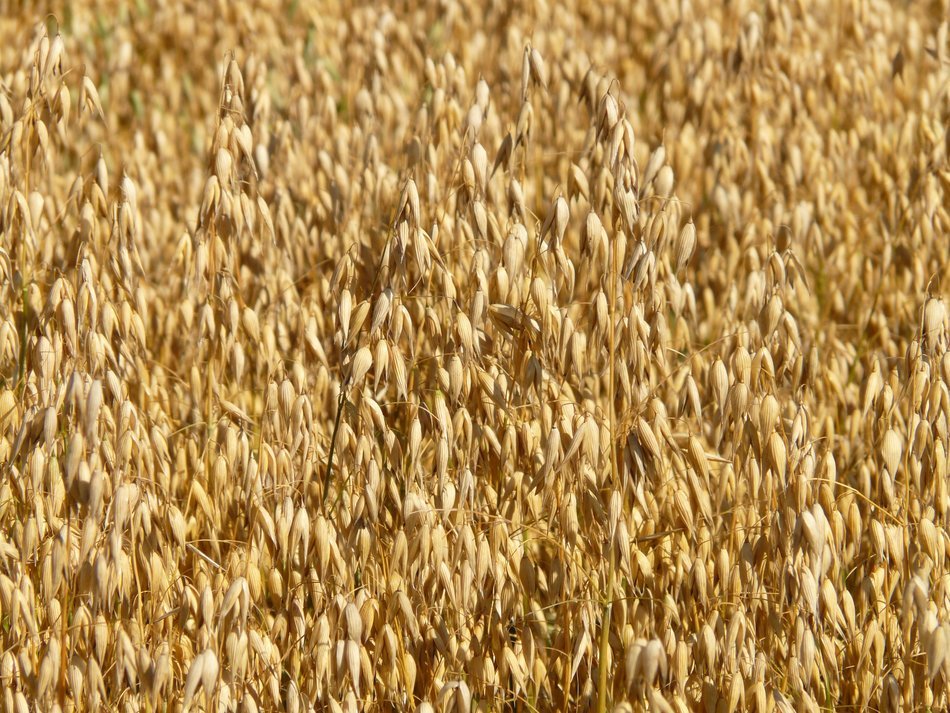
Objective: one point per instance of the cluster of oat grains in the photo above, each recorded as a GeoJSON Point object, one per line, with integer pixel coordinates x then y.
{"type": "Point", "coordinates": [475, 356]}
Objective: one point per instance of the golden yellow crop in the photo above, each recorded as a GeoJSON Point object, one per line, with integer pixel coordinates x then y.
{"type": "Point", "coordinates": [475, 356]}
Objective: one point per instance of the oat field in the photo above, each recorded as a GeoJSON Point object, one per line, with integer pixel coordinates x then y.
{"type": "Point", "coordinates": [475, 356]}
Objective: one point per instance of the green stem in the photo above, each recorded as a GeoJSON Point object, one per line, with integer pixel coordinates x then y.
{"type": "Point", "coordinates": [336, 429]}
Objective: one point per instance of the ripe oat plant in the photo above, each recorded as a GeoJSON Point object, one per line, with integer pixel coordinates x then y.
{"type": "Point", "coordinates": [474, 356]}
